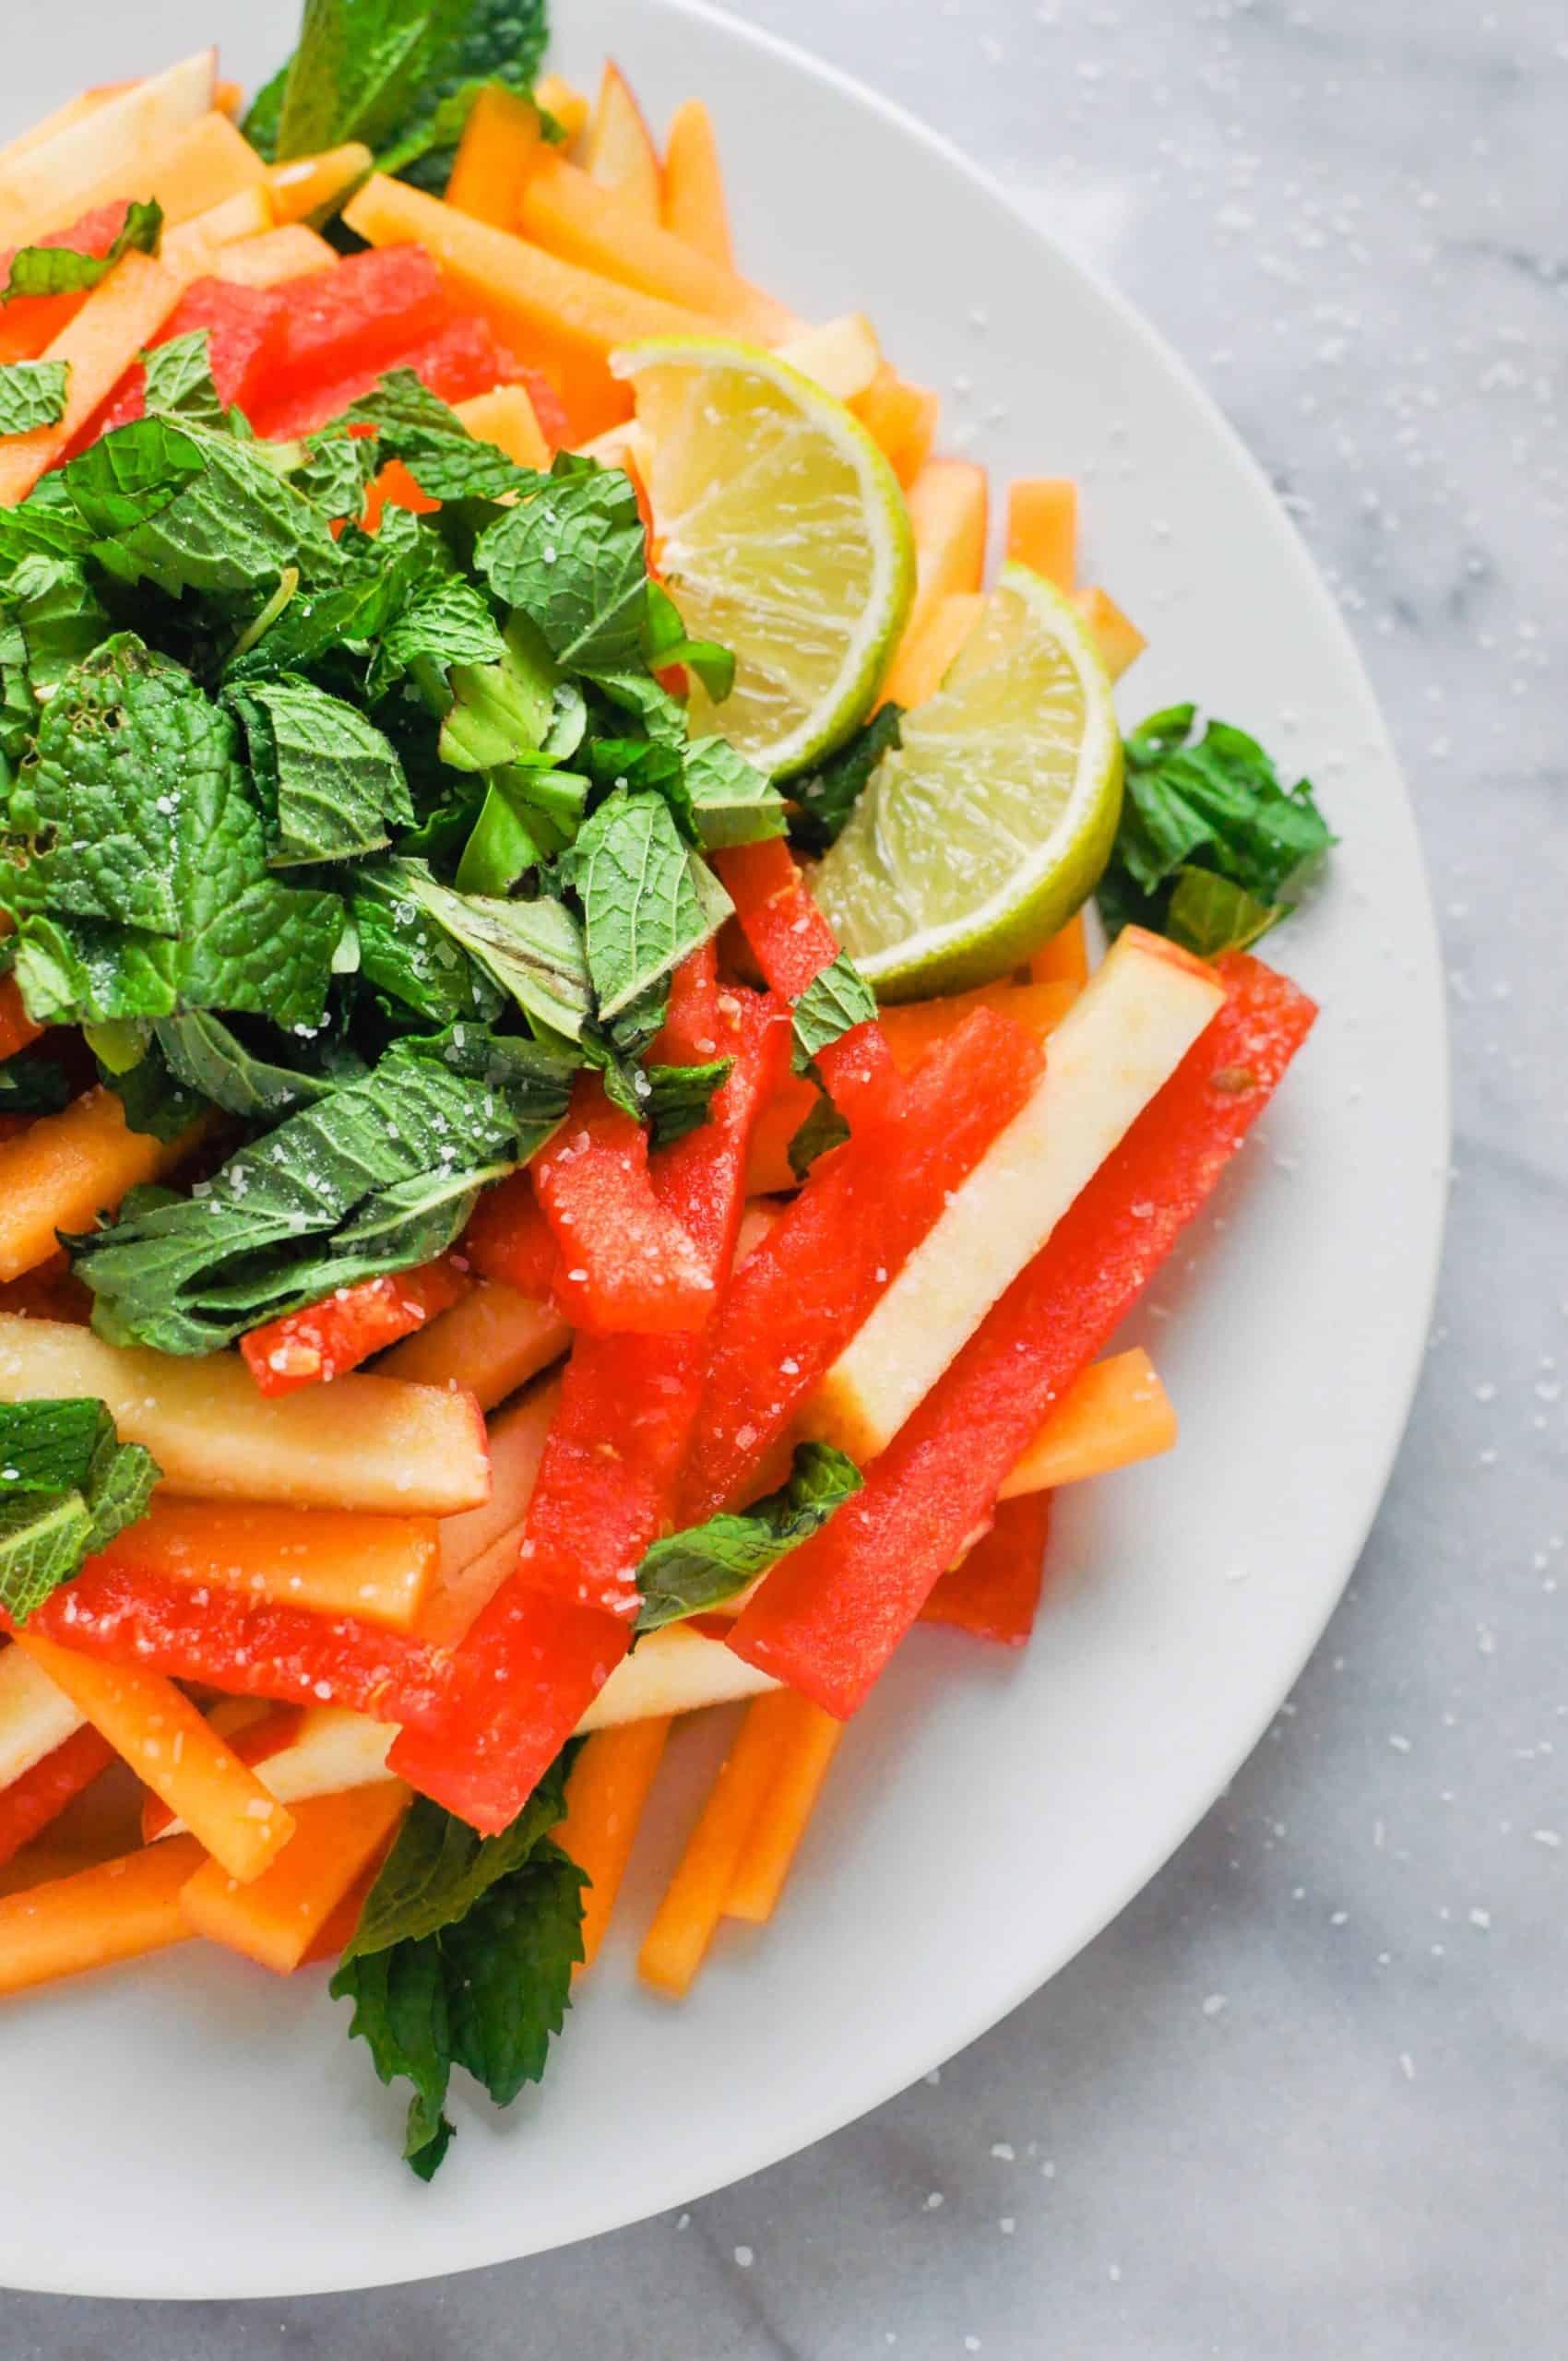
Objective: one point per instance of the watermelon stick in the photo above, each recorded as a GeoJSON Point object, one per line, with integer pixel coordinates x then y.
{"type": "Point", "coordinates": [829, 1618]}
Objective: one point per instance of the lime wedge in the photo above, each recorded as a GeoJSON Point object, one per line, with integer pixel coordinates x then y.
{"type": "Point", "coordinates": [981, 835]}
{"type": "Point", "coordinates": [783, 535]}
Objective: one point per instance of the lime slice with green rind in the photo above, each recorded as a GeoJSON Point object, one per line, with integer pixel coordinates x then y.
{"type": "Point", "coordinates": [978, 838]}
{"type": "Point", "coordinates": [782, 534]}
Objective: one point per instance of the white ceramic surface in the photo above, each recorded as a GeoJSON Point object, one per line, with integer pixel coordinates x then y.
{"type": "Point", "coordinates": [986, 1818]}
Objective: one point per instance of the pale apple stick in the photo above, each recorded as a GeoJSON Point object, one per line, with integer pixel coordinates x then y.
{"type": "Point", "coordinates": [605, 1796]}
{"type": "Point", "coordinates": [1124, 1035]}
{"type": "Point", "coordinates": [50, 126]}
{"type": "Point", "coordinates": [842, 356]}
{"type": "Point", "coordinates": [492, 1341]}
{"type": "Point", "coordinates": [36, 1716]}
{"type": "Point", "coordinates": [618, 147]}
{"type": "Point", "coordinates": [363, 1442]}
{"type": "Point", "coordinates": [694, 206]}
{"type": "Point", "coordinates": [51, 183]}
{"type": "Point", "coordinates": [274, 258]}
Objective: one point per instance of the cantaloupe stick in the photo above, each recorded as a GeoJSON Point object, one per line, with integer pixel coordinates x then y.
{"type": "Point", "coordinates": [65, 1170]}
{"type": "Point", "coordinates": [618, 147]}
{"type": "Point", "coordinates": [605, 1796]}
{"type": "Point", "coordinates": [492, 1342]}
{"type": "Point", "coordinates": [274, 258]}
{"type": "Point", "coordinates": [921, 665]}
{"type": "Point", "coordinates": [506, 417]}
{"type": "Point", "coordinates": [305, 183]}
{"type": "Point", "coordinates": [916, 1026]}
{"type": "Point", "coordinates": [903, 419]}
{"type": "Point", "coordinates": [842, 355]}
{"type": "Point", "coordinates": [694, 201]}
{"type": "Point", "coordinates": [805, 1750]}
{"type": "Point", "coordinates": [1116, 1413]}
{"type": "Point", "coordinates": [154, 1727]}
{"type": "Point", "coordinates": [1042, 526]}
{"type": "Point", "coordinates": [694, 1902]}
{"type": "Point", "coordinates": [229, 98]}
{"type": "Point", "coordinates": [947, 511]}
{"type": "Point", "coordinates": [335, 1561]}
{"type": "Point", "coordinates": [363, 1442]}
{"type": "Point", "coordinates": [599, 229]}
{"type": "Point", "coordinates": [36, 1716]}
{"type": "Point", "coordinates": [124, 313]}
{"type": "Point", "coordinates": [570, 107]}
{"type": "Point", "coordinates": [120, 1910]}
{"type": "Point", "coordinates": [1120, 641]}
{"type": "Point", "coordinates": [501, 143]}
{"type": "Point", "coordinates": [321, 1750]}
{"type": "Point", "coordinates": [277, 1916]}
{"type": "Point", "coordinates": [51, 183]}
{"type": "Point", "coordinates": [1065, 958]}
{"type": "Point", "coordinates": [569, 320]}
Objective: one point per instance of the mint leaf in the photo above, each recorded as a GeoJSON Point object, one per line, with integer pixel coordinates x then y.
{"type": "Point", "coordinates": [223, 520]}
{"type": "Point", "coordinates": [534, 951]}
{"type": "Point", "coordinates": [31, 1084]}
{"type": "Point", "coordinates": [359, 69]}
{"type": "Point", "coordinates": [690, 1572]}
{"type": "Point", "coordinates": [826, 798]}
{"type": "Point", "coordinates": [446, 623]}
{"type": "Point", "coordinates": [502, 708]}
{"type": "Point", "coordinates": [440, 1867]}
{"type": "Point", "coordinates": [732, 802]}
{"type": "Point", "coordinates": [157, 1103]}
{"type": "Point", "coordinates": [32, 393]}
{"type": "Point", "coordinates": [1214, 806]}
{"type": "Point", "coordinates": [330, 781]}
{"type": "Point", "coordinates": [501, 41]}
{"type": "Point", "coordinates": [834, 1003]}
{"type": "Point", "coordinates": [679, 1098]}
{"type": "Point", "coordinates": [136, 862]}
{"type": "Point", "coordinates": [59, 616]}
{"type": "Point", "coordinates": [179, 382]}
{"type": "Point", "coordinates": [409, 955]}
{"type": "Point", "coordinates": [262, 116]}
{"type": "Point", "coordinates": [823, 1128]}
{"type": "Point", "coordinates": [340, 625]}
{"type": "Point", "coordinates": [210, 1061]}
{"type": "Point", "coordinates": [647, 901]}
{"type": "Point", "coordinates": [381, 1175]}
{"type": "Point", "coordinates": [665, 642]}
{"type": "Point", "coordinates": [67, 1487]}
{"type": "Point", "coordinates": [336, 471]}
{"type": "Point", "coordinates": [463, 1956]}
{"type": "Point", "coordinates": [1210, 915]}
{"type": "Point", "coordinates": [63, 270]}
{"type": "Point", "coordinates": [447, 462]}
{"type": "Point", "coordinates": [573, 557]}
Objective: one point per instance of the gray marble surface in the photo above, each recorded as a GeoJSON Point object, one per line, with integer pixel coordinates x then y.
{"type": "Point", "coordinates": [1308, 2096]}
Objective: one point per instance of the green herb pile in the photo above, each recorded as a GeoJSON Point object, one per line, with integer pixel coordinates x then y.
{"type": "Point", "coordinates": [371, 844]}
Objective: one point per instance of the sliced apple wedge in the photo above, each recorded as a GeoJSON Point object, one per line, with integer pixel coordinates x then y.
{"type": "Point", "coordinates": [36, 1716]}
{"type": "Point", "coordinates": [42, 189]}
{"type": "Point", "coordinates": [1124, 1035]}
{"type": "Point", "coordinates": [618, 147]}
{"type": "Point", "coordinates": [842, 356]}
{"type": "Point", "coordinates": [363, 1442]}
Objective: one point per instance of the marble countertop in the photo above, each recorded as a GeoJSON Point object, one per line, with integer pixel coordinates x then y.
{"type": "Point", "coordinates": [1307, 2094]}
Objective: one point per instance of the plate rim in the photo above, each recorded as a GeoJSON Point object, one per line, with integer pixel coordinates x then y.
{"type": "Point", "coordinates": [482, 2248]}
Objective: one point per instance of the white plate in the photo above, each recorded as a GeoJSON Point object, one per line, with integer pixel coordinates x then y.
{"type": "Point", "coordinates": [193, 2128]}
